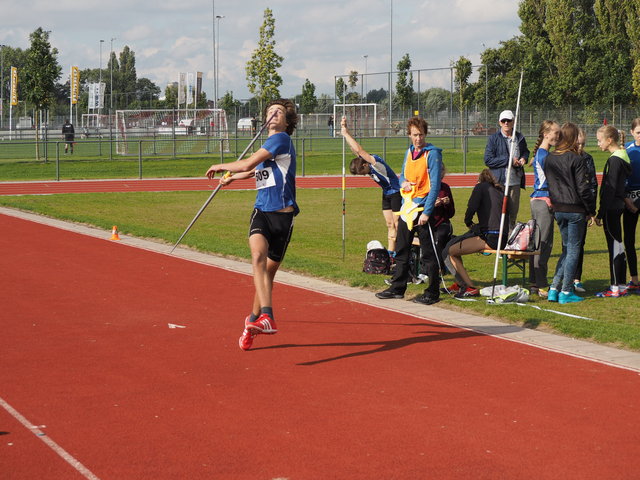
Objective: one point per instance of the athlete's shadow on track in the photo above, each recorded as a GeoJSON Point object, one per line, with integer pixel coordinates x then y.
{"type": "Point", "coordinates": [387, 345]}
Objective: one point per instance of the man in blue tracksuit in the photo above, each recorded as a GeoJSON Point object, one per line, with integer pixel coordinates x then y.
{"type": "Point", "coordinates": [496, 157]}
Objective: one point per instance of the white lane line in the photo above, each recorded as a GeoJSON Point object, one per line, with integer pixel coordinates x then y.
{"type": "Point", "coordinates": [84, 471]}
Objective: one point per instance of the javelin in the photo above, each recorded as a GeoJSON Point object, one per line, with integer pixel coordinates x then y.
{"type": "Point", "coordinates": [227, 174]}
{"type": "Point", "coordinates": [505, 199]}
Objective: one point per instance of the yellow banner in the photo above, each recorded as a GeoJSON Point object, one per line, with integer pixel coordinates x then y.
{"type": "Point", "coordinates": [14, 86]}
{"type": "Point", "coordinates": [75, 84]}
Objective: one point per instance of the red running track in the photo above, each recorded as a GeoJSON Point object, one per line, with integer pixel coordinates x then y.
{"type": "Point", "coordinates": [197, 184]}
{"type": "Point", "coordinates": [187, 184]}
{"type": "Point", "coordinates": [344, 391]}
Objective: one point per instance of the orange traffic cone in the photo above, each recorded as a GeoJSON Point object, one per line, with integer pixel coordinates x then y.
{"type": "Point", "coordinates": [114, 233]}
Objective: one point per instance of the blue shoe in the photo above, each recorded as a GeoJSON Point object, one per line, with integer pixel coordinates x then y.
{"type": "Point", "coordinates": [568, 298]}
{"type": "Point", "coordinates": [578, 287]}
{"type": "Point", "coordinates": [553, 295]}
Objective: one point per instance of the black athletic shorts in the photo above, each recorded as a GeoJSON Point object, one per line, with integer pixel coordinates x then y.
{"type": "Point", "coordinates": [392, 202]}
{"type": "Point", "coordinates": [276, 227]}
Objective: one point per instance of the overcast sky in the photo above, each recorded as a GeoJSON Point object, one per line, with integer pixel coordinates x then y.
{"type": "Point", "coordinates": [318, 39]}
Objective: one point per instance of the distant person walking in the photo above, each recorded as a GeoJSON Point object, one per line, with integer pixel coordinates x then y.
{"type": "Point", "coordinates": [68, 135]}
{"type": "Point", "coordinates": [330, 125]}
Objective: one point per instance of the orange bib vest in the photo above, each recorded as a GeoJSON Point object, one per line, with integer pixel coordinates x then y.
{"type": "Point", "coordinates": [417, 173]}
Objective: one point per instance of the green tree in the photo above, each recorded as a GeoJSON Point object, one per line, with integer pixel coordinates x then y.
{"type": "Point", "coordinates": [404, 84]}
{"type": "Point", "coordinates": [113, 67]}
{"type": "Point", "coordinates": [12, 57]}
{"type": "Point", "coordinates": [633, 30]}
{"type": "Point", "coordinates": [535, 57]}
{"type": "Point", "coordinates": [262, 70]}
{"type": "Point", "coordinates": [341, 89]}
{"type": "Point", "coordinates": [228, 103]}
{"type": "Point", "coordinates": [171, 95]}
{"type": "Point", "coordinates": [504, 65]}
{"type": "Point", "coordinates": [353, 79]}
{"type": "Point", "coordinates": [41, 72]}
{"type": "Point", "coordinates": [462, 70]}
{"type": "Point", "coordinates": [147, 92]}
{"type": "Point", "coordinates": [308, 100]}
{"type": "Point", "coordinates": [127, 77]}
{"type": "Point", "coordinates": [562, 16]}
{"type": "Point", "coordinates": [376, 96]}
{"type": "Point", "coordinates": [436, 99]}
{"type": "Point", "coordinates": [615, 85]}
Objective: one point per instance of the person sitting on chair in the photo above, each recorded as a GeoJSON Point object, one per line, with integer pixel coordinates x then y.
{"type": "Point", "coordinates": [486, 202]}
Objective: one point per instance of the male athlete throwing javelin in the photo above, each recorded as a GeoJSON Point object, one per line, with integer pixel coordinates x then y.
{"type": "Point", "coordinates": [271, 224]}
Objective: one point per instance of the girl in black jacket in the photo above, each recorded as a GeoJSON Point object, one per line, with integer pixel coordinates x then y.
{"type": "Point", "coordinates": [612, 203]}
{"type": "Point", "coordinates": [572, 201]}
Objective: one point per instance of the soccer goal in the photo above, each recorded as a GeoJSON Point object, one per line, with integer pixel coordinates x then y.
{"type": "Point", "coordinates": [362, 118]}
{"type": "Point", "coordinates": [171, 132]}
{"type": "Point", "coordinates": [94, 120]}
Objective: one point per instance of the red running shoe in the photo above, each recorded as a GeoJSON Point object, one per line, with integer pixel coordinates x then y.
{"type": "Point", "coordinates": [454, 288]}
{"type": "Point", "coordinates": [468, 292]}
{"type": "Point", "coordinates": [246, 339]}
{"type": "Point", "coordinates": [264, 324]}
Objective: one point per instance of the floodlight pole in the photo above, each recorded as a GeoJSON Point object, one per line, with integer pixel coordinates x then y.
{"type": "Point", "coordinates": [215, 86]}
{"type": "Point", "coordinates": [100, 84]}
{"type": "Point", "coordinates": [218, 17]}
{"type": "Point", "coordinates": [365, 78]}
{"type": "Point", "coordinates": [390, 63]}
{"type": "Point", "coordinates": [111, 80]}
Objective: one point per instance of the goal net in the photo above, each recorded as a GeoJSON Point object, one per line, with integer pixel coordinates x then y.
{"type": "Point", "coordinates": [171, 132]}
{"type": "Point", "coordinates": [362, 118]}
{"type": "Point", "coordinates": [94, 120]}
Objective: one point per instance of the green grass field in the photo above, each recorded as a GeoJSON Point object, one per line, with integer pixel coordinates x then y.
{"type": "Point", "coordinates": [94, 159]}
{"type": "Point", "coordinates": [317, 247]}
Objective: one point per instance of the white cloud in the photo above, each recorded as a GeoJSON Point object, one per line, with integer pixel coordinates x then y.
{"type": "Point", "coordinates": [318, 39]}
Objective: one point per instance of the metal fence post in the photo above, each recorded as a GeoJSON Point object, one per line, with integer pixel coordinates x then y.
{"type": "Point", "coordinates": [140, 159]}
{"type": "Point", "coordinates": [303, 147]}
{"type": "Point", "coordinates": [384, 147]}
{"type": "Point", "coordinates": [465, 141]}
{"type": "Point", "coordinates": [58, 161]}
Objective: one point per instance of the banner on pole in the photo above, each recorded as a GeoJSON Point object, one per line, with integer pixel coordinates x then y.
{"type": "Point", "coordinates": [96, 95]}
{"type": "Point", "coordinates": [14, 86]}
{"type": "Point", "coordinates": [198, 86]}
{"type": "Point", "coordinates": [75, 84]}
{"type": "Point", "coordinates": [190, 84]}
{"type": "Point", "coordinates": [181, 86]}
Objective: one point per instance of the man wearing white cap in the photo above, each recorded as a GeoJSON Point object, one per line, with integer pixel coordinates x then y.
{"type": "Point", "coordinates": [496, 157]}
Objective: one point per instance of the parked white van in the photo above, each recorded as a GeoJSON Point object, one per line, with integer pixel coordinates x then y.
{"type": "Point", "coordinates": [244, 124]}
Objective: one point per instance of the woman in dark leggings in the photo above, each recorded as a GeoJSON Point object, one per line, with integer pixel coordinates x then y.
{"type": "Point", "coordinates": [632, 200]}
{"type": "Point", "coordinates": [612, 204]}
{"type": "Point", "coordinates": [485, 201]}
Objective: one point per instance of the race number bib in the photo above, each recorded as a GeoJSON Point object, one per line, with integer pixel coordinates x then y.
{"type": "Point", "coordinates": [634, 195]}
{"type": "Point", "coordinates": [265, 178]}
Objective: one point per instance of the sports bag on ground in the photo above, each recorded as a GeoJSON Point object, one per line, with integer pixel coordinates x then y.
{"type": "Point", "coordinates": [377, 260]}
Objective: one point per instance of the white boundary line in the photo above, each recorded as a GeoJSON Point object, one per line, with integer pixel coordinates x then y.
{"type": "Point", "coordinates": [582, 349]}
{"type": "Point", "coordinates": [84, 471]}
